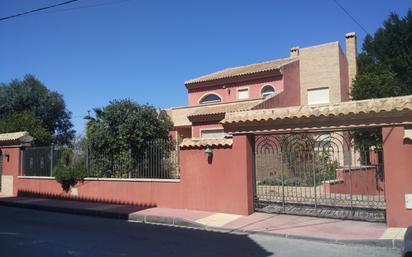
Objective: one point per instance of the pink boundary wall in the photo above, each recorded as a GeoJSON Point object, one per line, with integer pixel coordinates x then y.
{"type": "Point", "coordinates": [224, 185]}
{"type": "Point", "coordinates": [398, 176]}
{"type": "Point", "coordinates": [364, 182]}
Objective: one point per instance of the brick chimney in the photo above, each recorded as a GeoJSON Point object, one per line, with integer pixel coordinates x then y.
{"type": "Point", "coordinates": [294, 51]}
{"type": "Point", "coordinates": [351, 53]}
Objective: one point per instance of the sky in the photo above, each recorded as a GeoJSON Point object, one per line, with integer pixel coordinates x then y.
{"type": "Point", "coordinates": [95, 51]}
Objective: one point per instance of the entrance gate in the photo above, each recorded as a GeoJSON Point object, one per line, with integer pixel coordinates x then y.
{"type": "Point", "coordinates": [319, 174]}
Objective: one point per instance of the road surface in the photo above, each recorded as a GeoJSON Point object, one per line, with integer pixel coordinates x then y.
{"type": "Point", "coordinates": [32, 233]}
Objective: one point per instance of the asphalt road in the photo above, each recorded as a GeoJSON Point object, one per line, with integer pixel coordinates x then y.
{"type": "Point", "coordinates": [31, 233]}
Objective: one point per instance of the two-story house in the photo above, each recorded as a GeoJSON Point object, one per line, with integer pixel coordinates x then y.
{"type": "Point", "coordinates": [317, 74]}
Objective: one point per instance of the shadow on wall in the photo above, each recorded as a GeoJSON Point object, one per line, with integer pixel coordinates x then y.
{"type": "Point", "coordinates": [67, 196]}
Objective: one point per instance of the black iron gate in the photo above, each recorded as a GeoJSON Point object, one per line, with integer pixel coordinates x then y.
{"type": "Point", "coordinates": [318, 174]}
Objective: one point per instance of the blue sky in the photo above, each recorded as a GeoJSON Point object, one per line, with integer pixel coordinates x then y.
{"type": "Point", "coordinates": [145, 50]}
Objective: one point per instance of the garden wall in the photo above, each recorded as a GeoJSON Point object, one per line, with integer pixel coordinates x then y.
{"type": "Point", "coordinates": [360, 181]}
{"type": "Point", "coordinates": [223, 184]}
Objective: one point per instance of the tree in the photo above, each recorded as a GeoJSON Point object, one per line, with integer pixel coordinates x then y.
{"type": "Point", "coordinates": [385, 69]}
{"type": "Point", "coordinates": [24, 121]}
{"type": "Point", "coordinates": [122, 128]}
{"type": "Point", "coordinates": [31, 96]}
{"type": "Point", "coordinates": [125, 123]}
{"type": "Point", "coordinates": [385, 65]}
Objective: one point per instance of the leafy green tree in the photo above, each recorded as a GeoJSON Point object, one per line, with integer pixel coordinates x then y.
{"type": "Point", "coordinates": [32, 96]}
{"type": "Point", "coordinates": [24, 121]}
{"type": "Point", "coordinates": [384, 69]}
{"type": "Point", "coordinates": [385, 65]}
{"type": "Point", "coordinates": [122, 128]}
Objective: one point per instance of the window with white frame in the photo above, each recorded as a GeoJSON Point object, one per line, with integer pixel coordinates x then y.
{"type": "Point", "coordinates": [213, 133]}
{"type": "Point", "coordinates": [243, 93]}
{"type": "Point", "coordinates": [318, 96]}
{"type": "Point", "coordinates": [210, 98]}
{"type": "Point", "coordinates": [267, 91]}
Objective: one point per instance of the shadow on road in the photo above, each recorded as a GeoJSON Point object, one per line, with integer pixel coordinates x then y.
{"type": "Point", "coordinates": [36, 233]}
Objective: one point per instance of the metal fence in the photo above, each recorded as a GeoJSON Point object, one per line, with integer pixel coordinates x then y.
{"type": "Point", "coordinates": [158, 159]}
{"type": "Point", "coordinates": [39, 161]}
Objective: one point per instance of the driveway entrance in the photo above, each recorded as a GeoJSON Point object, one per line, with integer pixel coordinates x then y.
{"type": "Point", "coordinates": [323, 174]}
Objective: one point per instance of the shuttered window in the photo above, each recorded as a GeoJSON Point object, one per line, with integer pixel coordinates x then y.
{"type": "Point", "coordinates": [213, 133]}
{"type": "Point", "coordinates": [243, 93]}
{"type": "Point", "coordinates": [318, 96]}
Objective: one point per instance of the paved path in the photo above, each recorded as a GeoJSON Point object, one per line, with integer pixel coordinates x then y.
{"type": "Point", "coordinates": [33, 233]}
{"type": "Point", "coordinates": [286, 225]}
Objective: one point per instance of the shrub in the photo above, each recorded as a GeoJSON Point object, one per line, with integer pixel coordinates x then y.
{"type": "Point", "coordinates": [70, 169]}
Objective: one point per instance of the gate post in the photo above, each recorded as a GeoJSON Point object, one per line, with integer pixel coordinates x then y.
{"type": "Point", "coordinates": [243, 145]}
{"type": "Point", "coordinates": [10, 146]}
{"type": "Point", "coordinates": [397, 151]}
{"type": "Point", "coordinates": [10, 170]}
{"type": "Point", "coordinates": [253, 146]}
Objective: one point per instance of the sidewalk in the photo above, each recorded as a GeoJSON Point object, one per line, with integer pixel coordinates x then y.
{"type": "Point", "coordinates": [332, 230]}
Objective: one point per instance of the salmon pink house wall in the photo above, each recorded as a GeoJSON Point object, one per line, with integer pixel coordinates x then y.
{"type": "Point", "coordinates": [398, 176]}
{"type": "Point", "coordinates": [290, 95]}
{"type": "Point", "coordinates": [228, 92]}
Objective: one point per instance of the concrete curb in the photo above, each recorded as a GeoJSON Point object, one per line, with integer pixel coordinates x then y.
{"type": "Point", "coordinates": [180, 222]}
{"type": "Point", "coordinates": [387, 243]}
{"type": "Point", "coordinates": [150, 219]}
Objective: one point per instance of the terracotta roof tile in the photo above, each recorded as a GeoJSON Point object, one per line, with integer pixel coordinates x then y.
{"type": "Point", "coordinates": [16, 136]}
{"type": "Point", "coordinates": [226, 108]}
{"type": "Point", "coordinates": [307, 111]}
{"type": "Point", "coordinates": [179, 115]}
{"type": "Point", "coordinates": [242, 70]}
{"type": "Point", "coordinates": [204, 142]}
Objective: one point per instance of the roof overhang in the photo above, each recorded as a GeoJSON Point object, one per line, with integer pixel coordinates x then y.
{"type": "Point", "coordinates": [205, 142]}
{"type": "Point", "coordinates": [234, 79]}
{"type": "Point", "coordinates": [354, 114]}
{"type": "Point", "coordinates": [207, 117]}
{"type": "Point", "coordinates": [15, 139]}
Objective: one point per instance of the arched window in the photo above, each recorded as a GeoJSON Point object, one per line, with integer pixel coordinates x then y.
{"type": "Point", "coordinates": [267, 90]}
{"type": "Point", "coordinates": [211, 98]}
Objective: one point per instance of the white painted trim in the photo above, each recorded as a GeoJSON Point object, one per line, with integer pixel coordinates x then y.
{"type": "Point", "coordinates": [134, 180]}
{"type": "Point", "coordinates": [111, 179]}
{"type": "Point", "coordinates": [36, 177]}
